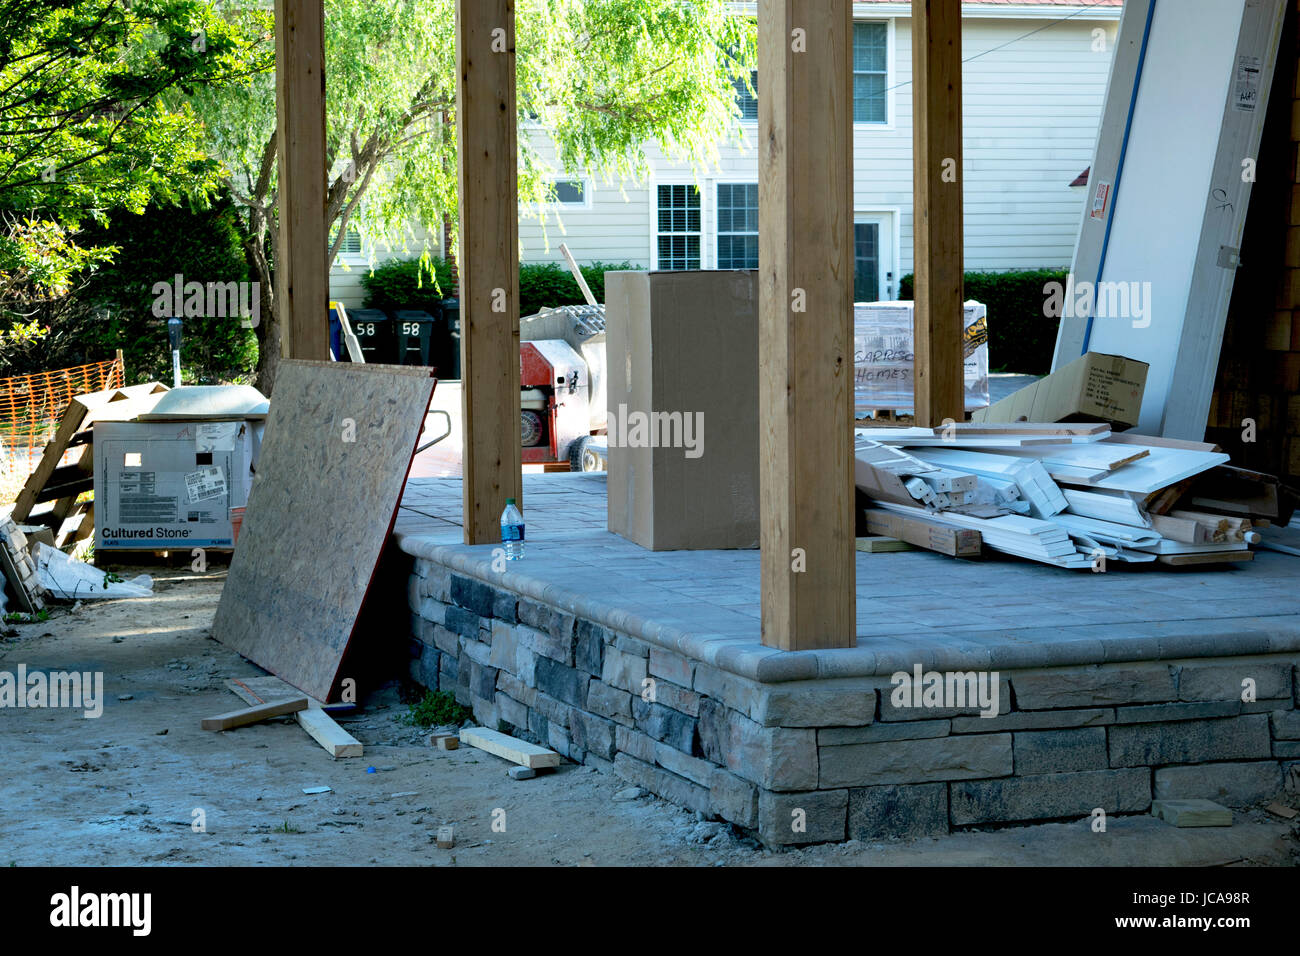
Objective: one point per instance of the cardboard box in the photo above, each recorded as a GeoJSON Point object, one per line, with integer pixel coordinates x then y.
{"type": "Point", "coordinates": [1093, 388]}
{"type": "Point", "coordinates": [883, 356]}
{"type": "Point", "coordinates": [162, 485]}
{"type": "Point", "coordinates": [683, 408]}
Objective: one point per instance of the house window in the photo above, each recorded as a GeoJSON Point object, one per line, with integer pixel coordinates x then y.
{"type": "Point", "coordinates": [737, 225]}
{"type": "Point", "coordinates": [569, 192]}
{"type": "Point", "coordinates": [679, 227]}
{"type": "Point", "coordinates": [866, 262]}
{"type": "Point", "coordinates": [870, 72]}
{"type": "Point", "coordinates": [746, 101]}
{"type": "Point", "coordinates": [351, 245]}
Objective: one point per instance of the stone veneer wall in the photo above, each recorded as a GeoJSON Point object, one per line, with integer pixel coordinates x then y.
{"type": "Point", "coordinates": [835, 753]}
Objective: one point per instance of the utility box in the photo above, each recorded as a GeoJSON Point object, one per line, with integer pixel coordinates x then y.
{"type": "Point", "coordinates": [171, 485]}
{"type": "Point", "coordinates": [682, 398]}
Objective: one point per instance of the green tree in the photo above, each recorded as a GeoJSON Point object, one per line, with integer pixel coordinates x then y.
{"type": "Point", "coordinates": [601, 77]}
{"type": "Point", "coordinates": [86, 124]}
{"type": "Point", "coordinates": [89, 125]}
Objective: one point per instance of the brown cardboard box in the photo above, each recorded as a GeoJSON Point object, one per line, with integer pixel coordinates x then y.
{"type": "Point", "coordinates": [683, 408]}
{"type": "Point", "coordinates": [1094, 387]}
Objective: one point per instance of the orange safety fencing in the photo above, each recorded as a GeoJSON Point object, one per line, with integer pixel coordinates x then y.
{"type": "Point", "coordinates": [30, 409]}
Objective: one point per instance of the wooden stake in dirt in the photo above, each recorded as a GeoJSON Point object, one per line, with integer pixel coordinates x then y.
{"type": "Point", "coordinates": [446, 838]}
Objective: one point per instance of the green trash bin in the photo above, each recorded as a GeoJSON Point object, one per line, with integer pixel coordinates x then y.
{"type": "Point", "coordinates": [414, 333]}
{"type": "Point", "coordinates": [374, 331]}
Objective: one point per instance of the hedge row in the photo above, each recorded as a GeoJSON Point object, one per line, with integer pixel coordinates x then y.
{"type": "Point", "coordinates": [408, 284]}
{"type": "Point", "coordinates": [1021, 337]}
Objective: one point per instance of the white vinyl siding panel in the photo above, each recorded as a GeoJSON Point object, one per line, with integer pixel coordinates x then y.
{"type": "Point", "coordinates": [1031, 104]}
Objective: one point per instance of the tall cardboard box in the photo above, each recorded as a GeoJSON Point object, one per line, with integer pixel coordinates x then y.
{"type": "Point", "coordinates": [683, 408]}
{"type": "Point", "coordinates": [1093, 388]}
{"type": "Point", "coordinates": [171, 485]}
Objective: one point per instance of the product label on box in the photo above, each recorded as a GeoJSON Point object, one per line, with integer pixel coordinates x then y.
{"type": "Point", "coordinates": [216, 436]}
{"type": "Point", "coordinates": [208, 482]}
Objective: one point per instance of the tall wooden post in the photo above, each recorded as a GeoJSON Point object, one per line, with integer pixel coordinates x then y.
{"type": "Point", "coordinates": [302, 272]}
{"type": "Point", "coordinates": [805, 196]}
{"type": "Point", "coordinates": [937, 210]}
{"type": "Point", "coordinates": [488, 262]}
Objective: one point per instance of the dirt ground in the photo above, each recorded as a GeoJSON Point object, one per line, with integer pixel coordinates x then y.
{"type": "Point", "coordinates": [127, 788]}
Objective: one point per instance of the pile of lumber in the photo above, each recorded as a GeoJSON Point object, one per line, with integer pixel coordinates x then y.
{"type": "Point", "coordinates": [1071, 495]}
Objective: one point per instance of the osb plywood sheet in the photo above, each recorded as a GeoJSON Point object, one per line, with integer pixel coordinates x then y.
{"type": "Point", "coordinates": [338, 446]}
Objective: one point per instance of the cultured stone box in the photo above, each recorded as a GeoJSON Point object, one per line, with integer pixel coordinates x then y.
{"type": "Point", "coordinates": [826, 759]}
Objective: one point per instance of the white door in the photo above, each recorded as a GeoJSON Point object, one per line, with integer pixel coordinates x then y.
{"type": "Point", "coordinates": [874, 278]}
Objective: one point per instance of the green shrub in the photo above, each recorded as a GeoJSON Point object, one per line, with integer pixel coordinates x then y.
{"type": "Point", "coordinates": [437, 709]}
{"type": "Point", "coordinates": [408, 284]}
{"type": "Point", "coordinates": [547, 285]}
{"type": "Point", "coordinates": [1021, 338]}
{"type": "Point", "coordinates": [201, 245]}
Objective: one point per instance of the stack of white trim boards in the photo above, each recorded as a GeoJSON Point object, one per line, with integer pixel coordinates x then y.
{"type": "Point", "coordinates": [1071, 495]}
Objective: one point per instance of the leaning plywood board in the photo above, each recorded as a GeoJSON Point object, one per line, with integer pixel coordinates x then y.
{"type": "Point", "coordinates": [510, 748]}
{"type": "Point", "coordinates": [338, 446]}
{"type": "Point", "coordinates": [1189, 80]}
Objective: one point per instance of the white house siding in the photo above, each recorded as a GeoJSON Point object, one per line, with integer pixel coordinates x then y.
{"type": "Point", "coordinates": [1031, 105]}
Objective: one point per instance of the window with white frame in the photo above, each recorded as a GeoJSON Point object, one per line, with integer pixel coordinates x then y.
{"type": "Point", "coordinates": [737, 225]}
{"type": "Point", "coordinates": [678, 226]}
{"type": "Point", "coordinates": [746, 101]}
{"type": "Point", "coordinates": [351, 245]}
{"type": "Point", "coordinates": [569, 192]}
{"type": "Point", "coordinates": [870, 71]}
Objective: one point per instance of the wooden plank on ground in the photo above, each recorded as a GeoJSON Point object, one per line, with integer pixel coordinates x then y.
{"type": "Point", "coordinates": [883, 545]}
{"type": "Point", "coordinates": [338, 446]}
{"type": "Point", "coordinates": [251, 715]}
{"type": "Point", "coordinates": [321, 726]}
{"type": "Point", "coordinates": [956, 542]}
{"type": "Point", "coordinates": [336, 741]}
{"type": "Point", "coordinates": [1212, 557]}
{"type": "Point", "coordinates": [510, 748]}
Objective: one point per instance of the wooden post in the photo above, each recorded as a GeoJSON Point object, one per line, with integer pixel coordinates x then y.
{"type": "Point", "coordinates": [302, 272]}
{"type": "Point", "coordinates": [488, 262]}
{"type": "Point", "coordinates": [805, 196]}
{"type": "Point", "coordinates": [937, 210]}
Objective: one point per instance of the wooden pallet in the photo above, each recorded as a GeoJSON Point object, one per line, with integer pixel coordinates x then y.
{"type": "Point", "coordinates": [69, 520]}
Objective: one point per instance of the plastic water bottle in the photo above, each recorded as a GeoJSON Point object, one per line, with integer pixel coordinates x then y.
{"type": "Point", "coordinates": [512, 531]}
